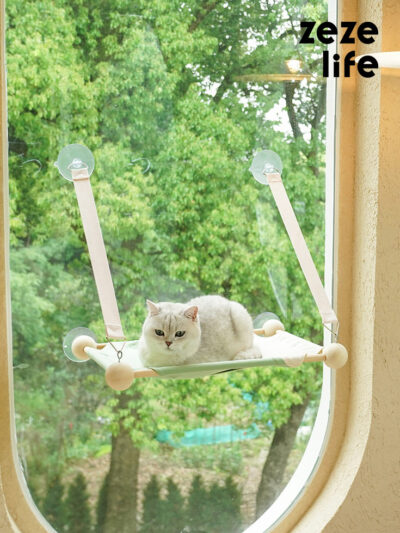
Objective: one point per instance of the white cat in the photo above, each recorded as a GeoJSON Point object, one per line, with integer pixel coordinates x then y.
{"type": "Point", "coordinates": [208, 328]}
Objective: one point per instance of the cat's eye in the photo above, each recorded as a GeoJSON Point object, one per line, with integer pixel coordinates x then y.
{"type": "Point", "coordinates": [159, 332]}
{"type": "Point", "coordinates": [179, 334]}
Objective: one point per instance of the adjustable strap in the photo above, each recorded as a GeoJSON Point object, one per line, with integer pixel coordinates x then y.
{"type": "Point", "coordinates": [97, 253]}
{"type": "Point", "coordinates": [300, 247]}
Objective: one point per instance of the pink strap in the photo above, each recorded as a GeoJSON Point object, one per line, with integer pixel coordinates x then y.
{"type": "Point", "coordinates": [300, 247]}
{"type": "Point", "coordinates": [97, 253]}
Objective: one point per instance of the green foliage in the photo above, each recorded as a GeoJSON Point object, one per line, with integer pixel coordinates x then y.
{"type": "Point", "coordinates": [173, 509]}
{"type": "Point", "coordinates": [155, 89]}
{"type": "Point", "coordinates": [224, 508]}
{"type": "Point", "coordinates": [152, 507]}
{"type": "Point", "coordinates": [224, 458]}
{"type": "Point", "coordinates": [77, 506]}
{"type": "Point", "coordinates": [214, 510]}
{"type": "Point", "coordinates": [53, 506]}
{"type": "Point", "coordinates": [67, 407]}
{"type": "Point", "coordinates": [197, 510]}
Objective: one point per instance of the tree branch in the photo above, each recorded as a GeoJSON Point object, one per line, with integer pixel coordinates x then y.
{"type": "Point", "coordinates": [203, 12]}
{"type": "Point", "coordinates": [222, 89]}
{"type": "Point", "coordinates": [289, 95]}
{"type": "Point", "coordinates": [319, 108]}
{"type": "Point", "coordinates": [278, 455]}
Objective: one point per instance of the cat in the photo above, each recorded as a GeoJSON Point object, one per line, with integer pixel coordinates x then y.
{"type": "Point", "coordinates": [207, 328]}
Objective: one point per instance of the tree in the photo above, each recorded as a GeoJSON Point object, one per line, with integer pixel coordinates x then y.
{"type": "Point", "coordinates": [101, 508]}
{"type": "Point", "coordinates": [121, 506]}
{"type": "Point", "coordinates": [77, 506]}
{"type": "Point", "coordinates": [197, 506]}
{"type": "Point", "coordinates": [53, 504]}
{"type": "Point", "coordinates": [173, 509]}
{"type": "Point", "coordinates": [152, 507]}
{"type": "Point", "coordinates": [275, 465]}
{"type": "Point", "coordinates": [233, 502]}
{"type": "Point", "coordinates": [160, 83]}
{"type": "Point", "coordinates": [223, 509]}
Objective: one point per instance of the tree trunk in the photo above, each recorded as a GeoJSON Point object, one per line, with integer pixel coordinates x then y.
{"type": "Point", "coordinates": [274, 467]}
{"type": "Point", "coordinates": [290, 87]}
{"type": "Point", "coordinates": [122, 481]}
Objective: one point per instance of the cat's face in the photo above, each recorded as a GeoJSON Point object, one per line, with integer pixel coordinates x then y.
{"type": "Point", "coordinates": [172, 329]}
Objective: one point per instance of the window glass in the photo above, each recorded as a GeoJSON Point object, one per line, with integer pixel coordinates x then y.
{"type": "Point", "coordinates": [173, 99]}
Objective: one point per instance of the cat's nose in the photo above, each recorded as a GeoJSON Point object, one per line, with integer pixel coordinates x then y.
{"type": "Point", "coordinates": [168, 343]}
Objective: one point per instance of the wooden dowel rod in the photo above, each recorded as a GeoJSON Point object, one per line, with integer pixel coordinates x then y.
{"type": "Point", "coordinates": [145, 373]}
{"type": "Point", "coordinates": [100, 346]}
{"type": "Point", "coordinates": [314, 358]}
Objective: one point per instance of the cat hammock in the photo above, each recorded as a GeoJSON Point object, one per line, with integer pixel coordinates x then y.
{"type": "Point", "coordinates": [120, 358]}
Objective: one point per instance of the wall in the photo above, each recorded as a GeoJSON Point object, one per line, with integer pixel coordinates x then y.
{"type": "Point", "coordinates": [361, 489]}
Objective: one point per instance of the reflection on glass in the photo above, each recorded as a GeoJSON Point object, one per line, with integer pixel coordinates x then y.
{"type": "Point", "coordinates": [173, 100]}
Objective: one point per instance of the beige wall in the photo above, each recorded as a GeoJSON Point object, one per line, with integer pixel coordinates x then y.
{"type": "Point", "coordinates": [357, 488]}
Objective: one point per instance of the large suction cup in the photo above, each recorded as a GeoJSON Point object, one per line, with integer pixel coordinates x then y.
{"type": "Point", "coordinates": [265, 162]}
{"type": "Point", "coordinates": [74, 157]}
{"type": "Point", "coordinates": [70, 344]}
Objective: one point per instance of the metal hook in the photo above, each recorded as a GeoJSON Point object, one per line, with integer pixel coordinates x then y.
{"type": "Point", "coordinates": [141, 159]}
{"type": "Point", "coordinates": [119, 352]}
{"type": "Point", "coordinates": [34, 161]}
{"type": "Point", "coordinates": [332, 332]}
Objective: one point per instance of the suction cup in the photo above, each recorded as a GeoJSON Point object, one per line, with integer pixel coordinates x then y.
{"type": "Point", "coordinates": [69, 339]}
{"type": "Point", "coordinates": [260, 319]}
{"type": "Point", "coordinates": [265, 162]}
{"type": "Point", "coordinates": [74, 156]}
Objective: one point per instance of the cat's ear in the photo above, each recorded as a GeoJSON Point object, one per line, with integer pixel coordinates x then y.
{"type": "Point", "coordinates": [191, 312]}
{"type": "Point", "coordinates": [152, 307]}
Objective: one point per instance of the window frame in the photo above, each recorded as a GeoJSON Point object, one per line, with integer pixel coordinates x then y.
{"type": "Point", "coordinates": [313, 453]}
{"type": "Point", "coordinates": [17, 509]}
{"type": "Point", "coordinates": [355, 487]}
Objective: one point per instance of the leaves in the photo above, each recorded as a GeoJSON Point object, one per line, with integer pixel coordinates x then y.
{"type": "Point", "coordinates": [153, 88]}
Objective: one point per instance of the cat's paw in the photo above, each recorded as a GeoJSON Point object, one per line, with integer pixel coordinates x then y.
{"type": "Point", "coordinates": [250, 353]}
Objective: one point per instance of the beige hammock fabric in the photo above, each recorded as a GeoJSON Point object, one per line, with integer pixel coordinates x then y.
{"type": "Point", "coordinates": [281, 349]}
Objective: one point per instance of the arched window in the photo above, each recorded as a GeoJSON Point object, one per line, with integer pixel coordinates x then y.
{"type": "Point", "coordinates": [28, 264]}
{"type": "Point", "coordinates": [173, 101]}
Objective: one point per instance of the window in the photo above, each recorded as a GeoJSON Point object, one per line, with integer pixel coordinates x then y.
{"type": "Point", "coordinates": [172, 158]}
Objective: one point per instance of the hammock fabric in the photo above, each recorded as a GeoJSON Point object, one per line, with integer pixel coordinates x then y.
{"type": "Point", "coordinates": [275, 351]}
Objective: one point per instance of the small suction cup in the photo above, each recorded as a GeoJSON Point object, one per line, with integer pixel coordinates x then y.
{"type": "Point", "coordinates": [263, 317]}
{"type": "Point", "coordinates": [267, 324]}
{"type": "Point", "coordinates": [69, 339]}
{"type": "Point", "coordinates": [265, 162]}
{"type": "Point", "coordinates": [74, 156]}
